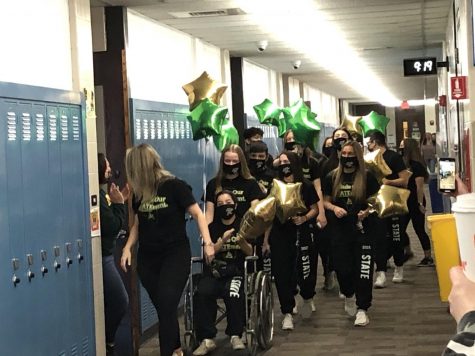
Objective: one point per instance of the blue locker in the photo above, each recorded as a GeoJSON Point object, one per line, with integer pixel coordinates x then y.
{"type": "Point", "coordinates": [42, 162]}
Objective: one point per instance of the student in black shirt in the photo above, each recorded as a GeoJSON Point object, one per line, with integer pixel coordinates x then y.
{"type": "Point", "coordinates": [113, 220]}
{"type": "Point", "coordinates": [287, 260]}
{"type": "Point", "coordinates": [224, 278]}
{"type": "Point", "coordinates": [163, 260]}
{"type": "Point", "coordinates": [347, 189]}
{"type": "Point", "coordinates": [327, 146]}
{"type": "Point", "coordinates": [233, 175]}
{"type": "Point", "coordinates": [255, 134]}
{"type": "Point", "coordinates": [396, 225]}
{"type": "Point", "coordinates": [417, 203]}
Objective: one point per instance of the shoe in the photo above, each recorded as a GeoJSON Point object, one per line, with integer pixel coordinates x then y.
{"type": "Point", "coordinates": [350, 306]}
{"type": "Point", "coordinates": [426, 262]}
{"type": "Point", "coordinates": [237, 343]}
{"type": "Point", "coordinates": [380, 279]}
{"type": "Point", "coordinates": [398, 275]}
{"type": "Point", "coordinates": [177, 353]}
{"type": "Point", "coordinates": [329, 282]}
{"type": "Point", "coordinates": [341, 295]}
{"type": "Point", "coordinates": [207, 345]}
{"type": "Point", "coordinates": [288, 322]}
{"type": "Point", "coordinates": [361, 318]}
{"type": "Point", "coordinates": [110, 349]}
{"type": "Point", "coordinates": [295, 311]}
{"type": "Point", "coordinates": [312, 305]}
{"type": "Point", "coordinates": [306, 309]}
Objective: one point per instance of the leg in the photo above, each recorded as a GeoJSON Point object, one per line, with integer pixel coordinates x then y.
{"type": "Point", "coordinates": [343, 257]}
{"type": "Point", "coordinates": [395, 226]}
{"type": "Point", "coordinates": [418, 222]}
{"type": "Point", "coordinates": [206, 307]}
{"type": "Point", "coordinates": [306, 263]}
{"type": "Point", "coordinates": [116, 300]}
{"type": "Point", "coordinates": [234, 300]}
{"type": "Point", "coordinates": [377, 228]}
{"type": "Point", "coordinates": [364, 270]}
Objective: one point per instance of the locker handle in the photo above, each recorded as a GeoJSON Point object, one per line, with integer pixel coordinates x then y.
{"type": "Point", "coordinates": [30, 275]}
{"type": "Point", "coordinates": [15, 280]}
{"type": "Point", "coordinates": [44, 270]}
{"type": "Point", "coordinates": [57, 266]}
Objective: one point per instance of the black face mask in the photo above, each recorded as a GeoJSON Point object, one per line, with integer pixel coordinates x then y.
{"type": "Point", "coordinates": [285, 170]}
{"type": "Point", "coordinates": [226, 211]}
{"type": "Point", "coordinates": [327, 151]}
{"type": "Point", "coordinates": [289, 146]}
{"type": "Point", "coordinates": [231, 169]}
{"type": "Point", "coordinates": [349, 162]}
{"type": "Point", "coordinates": [339, 142]}
{"type": "Point", "coordinates": [257, 165]}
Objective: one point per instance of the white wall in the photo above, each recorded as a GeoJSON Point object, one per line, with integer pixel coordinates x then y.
{"type": "Point", "coordinates": [160, 60]}
{"type": "Point", "coordinates": [323, 104]}
{"type": "Point", "coordinates": [294, 90]}
{"type": "Point", "coordinates": [36, 47]}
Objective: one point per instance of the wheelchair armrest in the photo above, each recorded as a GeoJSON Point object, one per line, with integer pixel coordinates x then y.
{"type": "Point", "coordinates": [252, 258]}
{"type": "Point", "coordinates": [196, 259]}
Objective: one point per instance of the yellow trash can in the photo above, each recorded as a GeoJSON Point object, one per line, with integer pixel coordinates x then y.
{"type": "Point", "coordinates": [446, 249]}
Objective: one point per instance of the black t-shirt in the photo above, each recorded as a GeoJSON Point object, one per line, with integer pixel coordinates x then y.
{"type": "Point", "coordinates": [265, 180]}
{"type": "Point", "coordinates": [417, 170]}
{"type": "Point", "coordinates": [345, 199]}
{"type": "Point", "coordinates": [231, 253]}
{"type": "Point", "coordinates": [394, 162]}
{"type": "Point", "coordinates": [162, 219]}
{"type": "Point", "coordinates": [113, 219]}
{"type": "Point", "coordinates": [245, 190]}
{"type": "Point", "coordinates": [310, 168]}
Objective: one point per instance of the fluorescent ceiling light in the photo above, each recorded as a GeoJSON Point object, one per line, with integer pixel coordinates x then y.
{"type": "Point", "coordinates": [301, 25]}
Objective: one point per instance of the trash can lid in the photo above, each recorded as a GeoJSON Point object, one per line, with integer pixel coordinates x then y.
{"type": "Point", "coordinates": [440, 217]}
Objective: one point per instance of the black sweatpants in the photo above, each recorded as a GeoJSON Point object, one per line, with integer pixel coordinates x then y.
{"type": "Point", "coordinates": [396, 238]}
{"type": "Point", "coordinates": [231, 289]}
{"type": "Point", "coordinates": [323, 247]}
{"type": "Point", "coordinates": [418, 222]}
{"type": "Point", "coordinates": [293, 262]}
{"type": "Point", "coordinates": [264, 261]}
{"type": "Point", "coordinates": [164, 276]}
{"type": "Point", "coordinates": [352, 252]}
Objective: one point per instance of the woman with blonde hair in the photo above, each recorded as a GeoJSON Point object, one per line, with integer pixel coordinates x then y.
{"type": "Point", "coordinates": [233, 175]}
{"type": "Point", "coordinates": [160, 202]}
{"type": "Point", "coordinates": [346, 190]}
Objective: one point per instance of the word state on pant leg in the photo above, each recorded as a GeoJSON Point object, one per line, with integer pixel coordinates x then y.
{"type": "Point", "coordinates": [305, 259]}
{"type": "Point", "coordinates": [235, 287]}
{"type": "Point", "coordinates": [365, 263]}
{"type": "Point", "coordinates": [396, 231]}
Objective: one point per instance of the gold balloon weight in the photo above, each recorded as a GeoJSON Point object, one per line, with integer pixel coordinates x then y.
{"type": "Point", "coordinates": [288, 199]}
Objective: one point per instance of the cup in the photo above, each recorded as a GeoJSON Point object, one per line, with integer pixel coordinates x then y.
{"type": "Point", "coordinates": [464, 212]}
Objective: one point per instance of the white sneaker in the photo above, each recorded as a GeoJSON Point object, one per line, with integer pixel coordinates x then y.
{"type": "Point", "coordinates": [288, 322]}
{"type": "Point", "coordinates": [361, 318]}
{"type": "Point", "coordinates": [350, 306]}
{"type": "Point", "coordinates": [306, 309]}
{"type": "Point", "coordinates": [207, 345]}
{"type": "Point", "coordinates": [341, 295]}
{"type": "Point", "coordinates": [312, 305]}
{"type": "Point", "coordinates": [380, 280]}
{"type": "Point", "coordinates": [398, 274]}
{"type": "Point", "coordinates": [237, 343]}
{"type": "Point", "coordinates": [295, 311]}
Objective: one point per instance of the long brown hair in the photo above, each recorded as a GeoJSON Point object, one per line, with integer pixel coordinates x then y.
{"type": "Point", "coordinates": [243, 172]}
{"type": "Point", "coordinates": [145, 171]}
{"type": "Point", "coordinates": [358, 190]}
{"type": "Point", "coordinates": [412, 152]}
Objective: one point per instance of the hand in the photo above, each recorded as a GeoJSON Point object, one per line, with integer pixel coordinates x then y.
{"type": "Point", "coordinates": [209, 253]}
{"type": "Point", "coordinates": [115, 195]}
{"type": "Point", "coordinates": [422, 209]}
{"type": "Point", "coordinates": [126, 259]}
{"type": "Point", "coordinates": [322, 219]}
{"type": "Point", "coordinates": [125, 192]}
{"type": "Point", "coordinates": [460, 186]}
{"type": "Point", "coordinates": [385, 181]}
{"type": "Point", "coordinates": [227, 235]}
{"type": "Point", "coordinates": [362, 214]}
{"type": "Point", "coordinates": [265, 248]}
{"type": "Point", "coordinates": [339, 212]}
{"type": "Point", "coordinates": [299, 220]}
{"type": "Point", "coordinates": [462, 295]}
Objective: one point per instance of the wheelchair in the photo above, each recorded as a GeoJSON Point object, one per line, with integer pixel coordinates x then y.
{"type": "Point", "coordinates": [259, 321]}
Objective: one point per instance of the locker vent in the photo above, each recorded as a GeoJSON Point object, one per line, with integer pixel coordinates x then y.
{"type": "Point", "coordinates": [152, 129]}
{"type": "Point", "coordinates": [74, 350]}
{"type": "Point", "coordinates": [145, 129]}
{"type": "Point", "coordinates": [26, 130]}
{"type": "Point", "coordinates": [11, 126]}
{"type": "Point", "coordinates": [165, 129]}
{"type": "Point", "coordinates": [64, 128]}
{"type": "Point", "coordinates": [85, 346]}
{"type": "Point", "coordinates": [40, 127]}
{"type": "Point", "coordinates": [138, 129]}
{"type": "Point", "coordinates": [53, 128]}
{"type": "Point", "coordinates": [76, 129]}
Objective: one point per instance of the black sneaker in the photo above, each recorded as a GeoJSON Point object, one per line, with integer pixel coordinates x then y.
{"type": "Point", "coordinates": [426, 262]}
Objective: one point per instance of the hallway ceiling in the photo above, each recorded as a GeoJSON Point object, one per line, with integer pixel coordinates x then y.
{"type": "Point", "coordinates": [381, 32]}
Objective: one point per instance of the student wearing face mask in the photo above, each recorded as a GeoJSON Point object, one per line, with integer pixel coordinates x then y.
{"type": "Point", "coordinates": [113, 219]}
{"type": "Point", "coordinates": [255, 134]}
{"type": "Point", "coordinates": [223, 278]}
{"type": "Point", "coordinates": [395, 225]}
{"type": "Point", "coordinates": [346, 190]}
{"type": "Point", "coordinates": [258, 156]}
{"type": "Point", "coordinates": [233, 175]}
{"type": "Point", "coordinates": [327, 147]}
{"type": "Point", "coordinates": [292, 245]}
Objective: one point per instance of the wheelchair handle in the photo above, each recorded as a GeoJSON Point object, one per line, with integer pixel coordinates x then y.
{"type": "Point", "coordinates": [252, 258]}
{"type": "Point", "coordinates": [196, 259]}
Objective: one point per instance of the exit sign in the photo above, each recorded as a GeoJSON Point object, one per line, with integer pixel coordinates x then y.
{"type": "Point", "coordinates": [420, 66]}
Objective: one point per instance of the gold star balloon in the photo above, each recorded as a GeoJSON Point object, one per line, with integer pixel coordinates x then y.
{"type": "Point", "coordinates": [288, 198]}
{"type": "Point", "coordinates": [390, 201]}
{"type": "Point", "coordinates": [203, 87]}
{"type": "Point", "coordinates": [257, 219]}
{"type": "Point", "coordinates": [351, 123]}
{"type": "Point", "coordinates": [377, 165]}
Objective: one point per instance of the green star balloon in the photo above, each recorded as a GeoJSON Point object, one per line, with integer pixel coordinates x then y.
{"type": "Point", "coordinates": [301, 120]}
{"type": "Point", "coordinates": [206, 119]}
{"type": "Point", "coordinates": [267, 112]}
{"type": "Point", "coordinates": [228, 136]}
{"type": "Point", "coordinates": [373, 122]}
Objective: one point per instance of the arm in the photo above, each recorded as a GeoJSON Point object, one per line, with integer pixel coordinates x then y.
{"type": "Point", "coordinates": [209, 212]}
{"type": "Point", "coordinates": [339, 212]}
{"type": "Point", "coordinates": [265, 243]}
{"type": "Point", "coordinates": [246, 247]}
{"type": "Point", "coordinates": [126, 258]}
{"type": "Point", "coordinates": [420, 191]}
{"type": "Point", "coordinates": [112, 217]}
{"type": "Point", "coordinates": [321, 218]}
{"type": "Point", "coordinates": [195, 211]}
{"type": "Point", "coordinates": [401, 182]}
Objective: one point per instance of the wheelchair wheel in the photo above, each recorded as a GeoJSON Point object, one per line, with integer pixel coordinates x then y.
{"type": "Point", "coordinates": [190, 342]}
{"type": "Point", "coordinates": [266, 312]}
{"type": "Point", "coordinates": [251, 326]}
